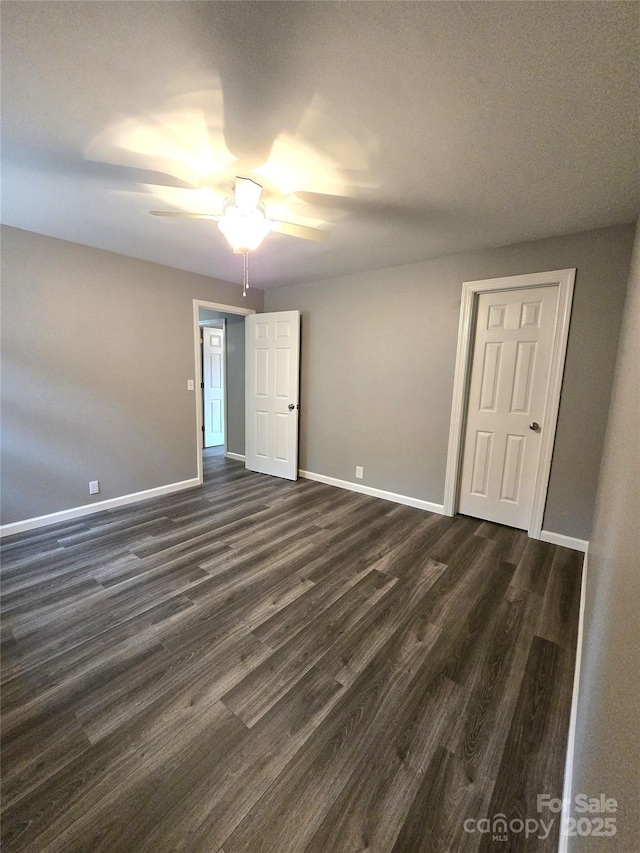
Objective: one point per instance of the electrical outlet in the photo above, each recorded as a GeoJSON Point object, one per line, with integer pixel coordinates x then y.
{"type": "Point", "coordinates": [359, 472]}
{"type": "Point", "coordinates": [94, 487]}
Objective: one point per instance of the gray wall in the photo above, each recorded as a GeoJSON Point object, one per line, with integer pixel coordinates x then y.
{"type": "Point", "coordinates": [607, 758]}
{"type": "Point", "coordinates": [97, 350]}
{"type": "Point", "coordinates": [235, 380]}
{"type": "Point", "coordinates": [235, 377]}
{"type": "Point", "coordinates": [378, 358]}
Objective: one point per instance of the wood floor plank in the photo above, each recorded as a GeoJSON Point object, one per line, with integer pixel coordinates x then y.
{"type": "Point", "coordinates": [80, 561]}
{"type": "Point", "coordinates": [561, 604]}
{"type": "Point", "coordinates": [484, 715]}
{"type": "Point", "coordinates": [322, 768]}
{"type": "Point", "coordinates": [198, 534]}
{"type": "Point", "coordinates": [518, 781]}
{"type": "Point", "coordinates": [447, 797]}
{"type": "Point", "coordinates": [466, 654]}
{"type": "Point", "coordinates": [256, 552]}
{"type": "Point", "coordinates": [9, 653]}
{"type": "Point", "coordinates": [395, 609]}
{"type": "Point", "coordinates": [389, 672]}
{"type": "Point", "coordinates": [214, 673]}
{"type": "Point", "coordinates": [263, 687]}
{"type": "Point", "coordinates": [353, 511]}
{"type": "Point", "coordinates": [333, 552]}
{"type": "Point", "coordinates": [116, 604]}
{"type": "Point", "coordinates": [297, 615]}
{"type": "Point", "coordinates": [275, 523]}
{"type": "Point", "coordinates": [21, 547]}
{"type": "Point", "coordinates": [291, 811]}
{"type": "Point", "coordinates": [416, 547]}
{"type": "Point", "coordinates": [458, 532]}
{"type": "Point", "coordinates": [187, 784]}
{"type": "Point", "coordinates": [154, 791]}
{"type": "Point", "coordinates": [46, 666]}
{"type": "Point", "coordinates": [73, 695]}
{"type": "Point", "coordinates": [129, 570]}
{"type": "Point", "coordinates": [513, 541]}
{"type": "Point", "coordinates": [234, 602]}
{"type": "Point", "coordinates": [86, 780]}
{"type": "Point", "coordinates": [463, 577]}
{"type": "Point", "coordinates": [534, 566]}
{"type": "Point", "coordinates": [59, 738]}
{"type": "Point", "coordinates": [120, 532]}
{"type": "Point", "coordinates": [37, 602]}
{"type": "Point", "coordinates": [371, 809]}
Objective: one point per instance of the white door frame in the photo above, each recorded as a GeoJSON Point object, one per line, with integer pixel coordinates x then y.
{"type": "Point", "coordinates": [564, 280]}
{"type": "Point", "coordinates": [215, 306]}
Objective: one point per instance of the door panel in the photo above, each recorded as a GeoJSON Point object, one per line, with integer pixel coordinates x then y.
{"type": "Point", "coordinates": [512, 468]}
{"type": "Point", "coordinates": [213, 382]}
{"type": "Point", "coordinates": [273, 352]}
{"type": "Point", "coordinates": [490, 376]}
{"type": "Point", "coordinates": [523, 377]}
{"type": "Point", "coordinates": [481, 463]}
{"type": "Point", "coordinates": [262, 435]}
{"type": "Point", "coordinates": [510, 368]}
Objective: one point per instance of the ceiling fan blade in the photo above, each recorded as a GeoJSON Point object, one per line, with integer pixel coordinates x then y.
{"type": "Point", "coordinates": [183, 215]}
{"type": "Point", "coordinates": [247, 193]}
{"type": "Point", "coordinates": [326, 200]}
{"type": "Point", "coordinates": [303, 231]}
{"type": "Point", "coordinates": [321, 205]}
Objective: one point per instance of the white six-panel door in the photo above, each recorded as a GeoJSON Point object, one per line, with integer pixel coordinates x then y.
{"type": "Point", "coordinates": [213, 382]}
{"type": "Point", "coordinates": [505, 420]}
{"type": "Point", "coordinates": [272, 383]}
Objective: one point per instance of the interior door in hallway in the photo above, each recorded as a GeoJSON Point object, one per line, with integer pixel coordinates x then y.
{"type": "Point", "coordinates": [272, 393]}
{"type": "Point", "coordinates": [213, 391]}
{"type": "Point", "coordinates": [510, 371]}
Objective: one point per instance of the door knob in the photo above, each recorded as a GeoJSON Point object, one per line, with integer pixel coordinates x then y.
{"type": "Point", "coordinates": [534, 426]}
{"type": "Point", "coordinates": [291, 407]}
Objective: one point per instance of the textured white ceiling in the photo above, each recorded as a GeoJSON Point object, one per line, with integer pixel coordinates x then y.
{"type": "Point", "coordinates": [407, 130]}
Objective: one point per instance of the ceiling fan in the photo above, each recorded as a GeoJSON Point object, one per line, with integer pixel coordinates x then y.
{"type": "Point", "coordinates": [244, 221]}
{"type": "Point", "coordinates": [245, 224]}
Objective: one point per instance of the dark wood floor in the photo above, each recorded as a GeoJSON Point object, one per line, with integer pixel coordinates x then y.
{"type": "Point", "coordinates": [258, 665]}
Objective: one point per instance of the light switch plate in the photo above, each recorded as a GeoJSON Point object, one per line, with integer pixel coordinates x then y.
{"type": "Point", "coordinates": [190, 385]}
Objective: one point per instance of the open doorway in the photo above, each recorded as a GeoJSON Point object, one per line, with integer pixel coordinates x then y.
{"type": "Point", "coordinates": [220, 380]}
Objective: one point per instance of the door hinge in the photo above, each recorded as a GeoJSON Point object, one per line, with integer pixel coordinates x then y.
{"type": "Point", "coordinates": [202, 427]}
{"type": "Point", "coordinates": [202, 384]}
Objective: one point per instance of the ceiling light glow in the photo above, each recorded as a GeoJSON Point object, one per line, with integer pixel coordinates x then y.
{"type": "Point", "coordinates": [244, 229]}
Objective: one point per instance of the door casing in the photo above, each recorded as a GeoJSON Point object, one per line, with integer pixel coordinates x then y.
{"type": "Point", "coordinates": [216, 306]}
{"type": "Point", "coordinates": [564, 280]}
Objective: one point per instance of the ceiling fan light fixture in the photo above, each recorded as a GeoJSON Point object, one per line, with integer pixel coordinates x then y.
{"type": "Point", "coordinates": [244, 230]}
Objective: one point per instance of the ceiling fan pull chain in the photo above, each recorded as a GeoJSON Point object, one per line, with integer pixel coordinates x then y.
{"type": "Point", "coordinates": [245, 270]}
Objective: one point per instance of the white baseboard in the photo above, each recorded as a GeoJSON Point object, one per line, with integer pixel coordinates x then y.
{"type": "Point", "coordinates": [239, 457]}
{"type": "Point", "coordinates": [567, 788]}
{"type": "Point", "coordinates": [376, 493]}
{"type": "Point", "coordinates": [564, 541]}
{"type": "Point", "coordinates": [99, 506]}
